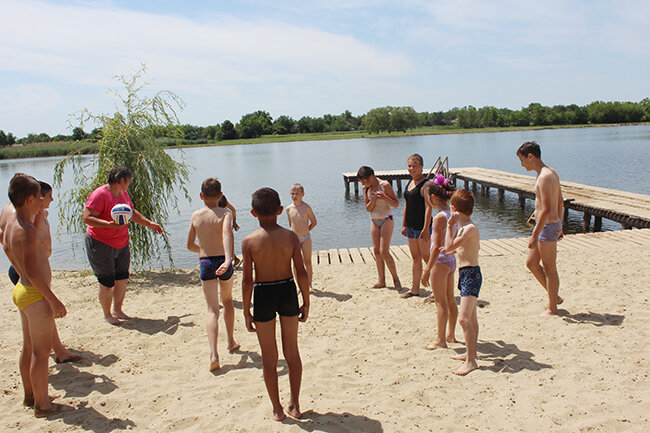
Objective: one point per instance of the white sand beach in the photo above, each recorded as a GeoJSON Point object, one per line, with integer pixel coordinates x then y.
{"type": "Point", "coordinates": [365, 370]}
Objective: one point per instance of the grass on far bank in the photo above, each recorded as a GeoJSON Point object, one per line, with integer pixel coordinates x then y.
{"type": "Point", "coordinates": [63, 148]}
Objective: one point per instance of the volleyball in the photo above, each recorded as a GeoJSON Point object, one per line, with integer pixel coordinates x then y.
{"type": "Point", "coordinates": [122, 213]}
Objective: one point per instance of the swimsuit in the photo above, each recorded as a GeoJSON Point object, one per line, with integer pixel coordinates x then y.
{"type": "Point", "coordinates": [304, 238]}
{"type": "Point", "coordinates": [209, 266]}
{"type": "Point", "coordinates": [24, 296]}
{"type": "Point", "coordinates": [415, 209]}
{"type": "Point", "coordinates": [380, 223]}
{"type": "Point", "coordinates": [551, 232]}
{"type": "Point", "coordinates": [446, 259]}
{"type": "Point", "coordinates": [470, 280]}
{"type": "Point", "coordinates": [274, 296]}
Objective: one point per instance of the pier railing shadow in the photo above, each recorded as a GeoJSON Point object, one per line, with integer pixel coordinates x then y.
{"type": "Point", "coordinates": [591, 318]}
{"type": "Point", "coordinates": [153, 326]}
{"type": "Point", "coordinates": [507, 358]}
{"type": "Point", "coordinates": [331, 422]}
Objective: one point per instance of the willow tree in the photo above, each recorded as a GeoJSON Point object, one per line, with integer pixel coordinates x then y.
{"type": "Point", "coordinates": [127, 139]}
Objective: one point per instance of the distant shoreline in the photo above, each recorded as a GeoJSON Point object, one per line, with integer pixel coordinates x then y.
{"type": "Point", "coordinates": [37, 150]}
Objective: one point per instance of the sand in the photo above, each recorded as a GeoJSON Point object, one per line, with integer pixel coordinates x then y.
{"type": "Point", "coordinates": [364, 366]}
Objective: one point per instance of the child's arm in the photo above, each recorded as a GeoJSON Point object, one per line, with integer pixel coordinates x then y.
{"type": "Point", "coordinates": [368, 202]}
{"type": "Point", "coordinates": [439, 226]}
{"type": "Point", "coordinates": [191, 239]}
{"type": "Point", "coordinates": [247, 284]}
{"type": "Point", "coordinates": [227, 238]}
{"type": "Point", "coordinates": [388, 194]}
{"type": "Point", "coordinates": [234, 216]}
{"type": "Point", "coordinates": [424, 234]}
{"type": "Point", "coordinates": [464, 233]}
{"type": "Point", "coordinates": [312, 218]}
{"type": "Point", "coordinates": [302, 278]}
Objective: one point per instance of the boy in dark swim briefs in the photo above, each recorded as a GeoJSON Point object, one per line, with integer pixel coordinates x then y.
{"type": "Point", "coordinates": [212, 225]}
{"type": "Point", "coordinates": [271, 249]}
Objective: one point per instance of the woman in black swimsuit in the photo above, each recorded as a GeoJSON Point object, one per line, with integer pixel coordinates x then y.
{"type": "Point", "coordinates": [416, 223]}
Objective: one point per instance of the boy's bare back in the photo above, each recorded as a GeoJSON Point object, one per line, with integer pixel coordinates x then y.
{"type": "Point", "coordinates": [467, 252]}
{"type": "Point", "coordinates": [271, 251]}
{"type": "Point", "coordinates": [208, 224]}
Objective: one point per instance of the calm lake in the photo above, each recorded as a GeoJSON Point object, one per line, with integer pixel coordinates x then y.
{"type": "Point", "coordinates": [612, 157]}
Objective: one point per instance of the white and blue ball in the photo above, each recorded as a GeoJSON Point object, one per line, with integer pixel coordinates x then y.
{"type": "Point", "coordinates": [122, 213]}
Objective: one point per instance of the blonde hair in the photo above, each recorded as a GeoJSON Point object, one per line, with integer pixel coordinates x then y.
{"type": "Point", "coordinates": [298, 186]}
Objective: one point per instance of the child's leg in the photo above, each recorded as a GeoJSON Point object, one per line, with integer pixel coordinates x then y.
{"type": "Point", "coordinates": [386, 233]}
{"type": "Point", "coordinates": [266, 337]}
{"type": "Point", "coordinates": [61, 354]}
{"type": "Point", "coordinates": [228, 312]}
{"type": "Point", "coordinates": [119, 291]}
{"type": "Point", "coordinates": [466, 319]}
{"type": "Point", "coordinates": [41, 324]}
{"type": "Point", "coordinates": [375, 234]}
{"type": "Point", "coordinates": [306, 255]}
{"type": "Point", "coordinates": [211, 293]}
{"type": "Point", "coordinates": [289, 329]}
{"type": "Point", "coordinates": [452, 309]}
{"type": "Point", "coordinates": [548, 254]}
{"type": "Point", "coordinates": [416, 266]}
{"type": "Point", "coordinates": [533, 264]}
{"type": "Point", "coordinates": [25, 362]}
{"type": "Point", "coordinates": [439, 279]}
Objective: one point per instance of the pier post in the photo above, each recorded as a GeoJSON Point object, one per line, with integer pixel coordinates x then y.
{"type": "Point", "coordinates": [522, 201]}
{"type": "Point", "coordinates": [466, 184]}
{"type": "Point", "coordinates": [399, 185]}
{"type": "Point", "coordinates": [501, 194]}
{"type": "Point", "coordinates": [356, 187]}
{"type": "Point", "coordinates": [566, 212]}
{"type": "Point", "coordinates": [474, 186]}
{"type": "Point", "coordinates": [598, 223]}
{"type": "Point", "coordinates": [347, 185]}
{"type": "Point", "coordinates": [586, 220]}
{"type": "Point", "coordinates": [486, 190]}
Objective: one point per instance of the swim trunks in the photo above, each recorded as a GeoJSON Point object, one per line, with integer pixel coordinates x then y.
{"type": "Point", "coordinates": [274, 296]}
{"type": "Point", "coordinates": [551, 232]}
{"type": "Point", "coordinates": [415, 234]}
{"type": "Point", "coordinates": [209, 266]}
{"type": "Point", "coordinates": [24, 296]}
{"type": "Point", "coordinates": [470, 280]}
{"type": "Point", "coordinates": [304, 238]}
{"type": "Point", "coordinates": [380, 223]}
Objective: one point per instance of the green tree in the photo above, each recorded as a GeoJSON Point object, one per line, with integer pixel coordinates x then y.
{"type": "Point", "coordinates": [3, 139]}
{"type": "Point", "coordinates": [78, 134]}
{"type": "Point", "coordinates": [127, 140]}
{"type": "Point", "coordinates": [377, 120]}
{"type": "Point", "coordinates": [284, 125]}
{"type": "Point", "coordinates": [228, 130]}
{"type": "Point", "coordinates": [255, 124]}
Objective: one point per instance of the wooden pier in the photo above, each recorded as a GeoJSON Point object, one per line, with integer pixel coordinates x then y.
{"type": "Point", "coordinates": [629, 209]}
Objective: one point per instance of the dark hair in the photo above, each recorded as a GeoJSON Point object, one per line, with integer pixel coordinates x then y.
{"type": "Point", "coordinates": [417, 157]}
{"type": "Point", "coordinates": [118, 173]}
{"type": "Point", "coordinates": [223, 201]}
{"type": "Point", "coordinates": [443, 192]}
{"type": "Point", "coordinates": [266, 202]}
{"type": "Point", "coordinates": [211, 187]}
{"type": "Point", "coordinates": [22, 186]}
{"type": "Point", "coordinates": [45, 187]}
{"type": "Point", "coordinates": [365, 172]}
{"type": "Point", "coordinates": [530, 147]}
{"type": "Point", "coordinates": [463, 201]}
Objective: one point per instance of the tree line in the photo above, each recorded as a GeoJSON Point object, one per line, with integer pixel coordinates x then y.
{"type": "Point", "coordinates": [383, 119]}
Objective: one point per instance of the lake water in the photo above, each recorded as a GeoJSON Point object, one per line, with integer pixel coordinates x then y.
{"type": "Point", "coordinates": [612, 157]}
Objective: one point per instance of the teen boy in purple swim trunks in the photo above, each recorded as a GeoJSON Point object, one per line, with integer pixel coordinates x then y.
{"type": "Point", "coordinates": [213, 226]}
{"type": "Point", "coordinates": [549, 207]}
{"type": "Point", "coordinates": [271, 249]}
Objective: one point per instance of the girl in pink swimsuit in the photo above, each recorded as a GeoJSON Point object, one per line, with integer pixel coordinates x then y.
{"type": "Point", "coordinates": [439, 271]}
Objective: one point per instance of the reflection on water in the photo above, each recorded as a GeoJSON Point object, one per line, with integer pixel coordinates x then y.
{"type": "Point", "coordinates": [613, 157]}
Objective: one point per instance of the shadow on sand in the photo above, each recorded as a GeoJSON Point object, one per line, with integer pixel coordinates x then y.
{"type": "Point", "coordinates": [77, 383]}
{"type": "Point", "coordinates": [325, 294]}
{"type": "Point", "coordinates": [89, 419]}
{"type": "Point", "coordinates": [250, 360]}
{"type": "Point", "coordinates": [507, 358]}
{"type": "Point", "coordinates": [154, 326]}
{"type": "Point", "coordinates": [596, 319]}
{"type": "Point", "coordinates": [335, 423]}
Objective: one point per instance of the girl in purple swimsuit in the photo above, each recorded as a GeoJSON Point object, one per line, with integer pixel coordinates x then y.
{"type": "Point", "coordinates": [441, 266]}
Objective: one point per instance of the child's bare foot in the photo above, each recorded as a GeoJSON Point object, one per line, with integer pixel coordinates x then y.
{"type": "Point", "coordinates": [430, 298]}
{"type": "Point", "coordinates": [397, 284]}
{"type": "Point", "coordinates": [548, 313]}
{"type": "Point", "coordinates": [466, 368]}
{"type": "Point", "coordinates": [53, 409]}
{"type": "Point", "coordinates": [559, 299]}
{"type": "Point", "coordinates": [460, 357]}
{"type": "Point", "coordinates": [66, 356]}
{"type": "Point", "coordinates": [294, 411]}
{"type": "Point", "coordinates": [28, 401]}
{"type": "Point", "coordinates": [214, 364]}
{"type": "Point", "coordinates": [121, 315]}
{"type": "Point", "coordinates": [410, 294]}
{"type": "Point", "coordinates": [451, 339]}
{"type": "Point", "coordinates": [279, 415]}
{"type": "Point", "coordinates": [379, 285]}
{"type": "Point", "coordinates": [112, 320]}
{"type": "Point", "coordinates": [233, 346]}
{"type": "Point", "coordinates": [435, 346]}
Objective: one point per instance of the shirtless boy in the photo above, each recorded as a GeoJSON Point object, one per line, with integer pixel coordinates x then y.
{"type": "Point", "coordinates": [32, 295]}
{"type": "Point", "coordinates": [61, 354]}
{"type": "Point", "coordinates": [549, 207]}
{"type": "Point", "coordinates": [302, 221]}
{"type": "Point", "coordinates": [213, 227]}
{"type": "Point", "coordinates": [271, 249]}
{"type": "Point", "coordinates": [466, 244]}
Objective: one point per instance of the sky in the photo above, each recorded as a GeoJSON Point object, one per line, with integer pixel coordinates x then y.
{"type": "Point", "coordinates": [300, 58]}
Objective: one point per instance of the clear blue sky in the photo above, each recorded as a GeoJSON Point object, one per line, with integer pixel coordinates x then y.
{"type": "Point", "coordinates": [229, 58]}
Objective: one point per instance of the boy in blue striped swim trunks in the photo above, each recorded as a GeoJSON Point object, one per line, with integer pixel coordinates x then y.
{"type": "Point", "coordinates": [549, 209]}
{"type": "Point", "coordinates": [271, 249]}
